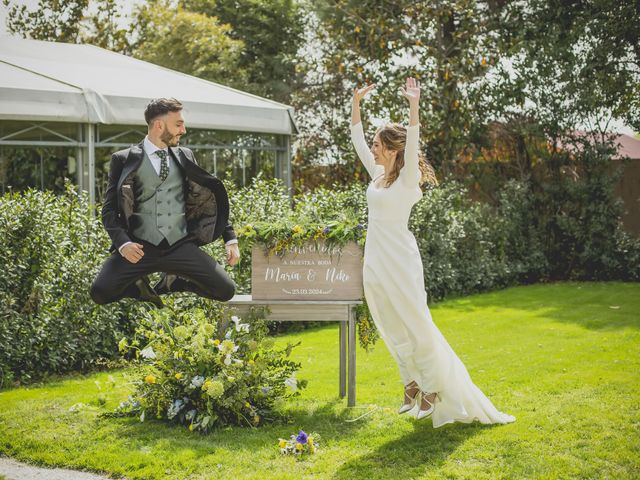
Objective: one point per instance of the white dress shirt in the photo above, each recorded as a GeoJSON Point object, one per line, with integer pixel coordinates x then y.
{"type": "Point", "coordinates": [150, 149]}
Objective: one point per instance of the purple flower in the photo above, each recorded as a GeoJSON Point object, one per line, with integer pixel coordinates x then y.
{"type": "Point", "coordinates": [326, 230]}
{"type": "Point", "coordinates": [360, 227]}
{"type": "Point", "coordinates": [302, 437]}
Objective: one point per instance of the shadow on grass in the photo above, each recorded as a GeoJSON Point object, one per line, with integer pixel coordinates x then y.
{"type": "Point", "coordinates": [411, 455]}
{"type": "Point", "coordinates": [327, 417]}
{"type": "Point", "coordinates": [593, 305]}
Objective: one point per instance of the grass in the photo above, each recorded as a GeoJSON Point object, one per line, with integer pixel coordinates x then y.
{"type": "Point", "coordinates": [563, 358]}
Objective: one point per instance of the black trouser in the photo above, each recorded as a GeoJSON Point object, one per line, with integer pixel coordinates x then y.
{"type": "Point", "coordinates": [198, 273]}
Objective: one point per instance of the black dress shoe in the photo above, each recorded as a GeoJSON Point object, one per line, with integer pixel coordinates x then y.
{"type": "Point", "coordinates": [164, 284]}
{"type": "Point", "coordinates": [147, 294]}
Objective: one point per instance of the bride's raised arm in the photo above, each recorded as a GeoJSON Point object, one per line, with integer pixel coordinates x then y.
{"type": "Point", "coordinates": [357, 131]}
{"type": "Point", "coordinates": [410, 173]}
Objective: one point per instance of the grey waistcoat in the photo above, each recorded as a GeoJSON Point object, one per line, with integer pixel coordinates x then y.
{"type": "Point", "coordinates": [159, 206]}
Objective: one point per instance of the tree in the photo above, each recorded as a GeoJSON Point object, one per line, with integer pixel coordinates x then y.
{"type": "Point", "coordinates": [448, 46]}
{"type": "Point", "coordinates": [105, 28]}
{"type": "Point", "coordinates": [188, 42]}
{"type": "Point", "coordinates": [271, 32]}
{"type": "Point", "coordinates": [52, 20]}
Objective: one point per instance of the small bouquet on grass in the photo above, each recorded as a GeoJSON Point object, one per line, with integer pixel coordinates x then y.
{"type": "Point", "coordinates": [302, 444]}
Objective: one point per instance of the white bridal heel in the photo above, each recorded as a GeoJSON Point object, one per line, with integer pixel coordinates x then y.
{"type": "Point", "coordinates": [408, 406]}
{"type": "Point", "coordinates": [425, 413]}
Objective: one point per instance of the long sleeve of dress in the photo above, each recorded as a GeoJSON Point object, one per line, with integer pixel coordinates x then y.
{"type": "Point", "coordinates": [410, 173]}
{"type": "Point", "coordinates": [360, 144]}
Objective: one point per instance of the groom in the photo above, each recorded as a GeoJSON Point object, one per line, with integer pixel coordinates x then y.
{"type": "Point", "coordinates": [159, 207]}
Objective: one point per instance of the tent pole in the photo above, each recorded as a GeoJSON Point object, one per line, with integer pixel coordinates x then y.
{"type": "Point", "coordinates": [91, 157]}
{"type": "Point", "coordinates": [80, 161]}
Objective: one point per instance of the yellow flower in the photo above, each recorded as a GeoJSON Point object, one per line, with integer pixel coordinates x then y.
{"type": "Point", "coordinates": [299, 446]}
{"type": "Point", "coordinates": [191, 427]}
{"type": "Point", "coordinates": [178, 376]}
{"type": "Point", "coordinates": [297, 230]}
{"type": "Point", "coordinates": [251, 362]}
{"type": "Point", "coordinates": [216, 342]}
{"type": "Point", "coordinates": [150, 379]}
{"type": "Point", "coordinates": [282, 443]}
{"type": "Point", "coordinates": [484, 61]}
{"type": "Point", "coordinates": [357, 29]}
{"type": "Point", "coordinates": [247, 404]}
{"type": "Point", "coordinates": [310, 440]}
{"type": "Point", "coordinates": [312, 449]}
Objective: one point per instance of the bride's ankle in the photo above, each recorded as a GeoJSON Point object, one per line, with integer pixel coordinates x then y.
{"type": "Point", "coordinates": [428, 399]}
{"type": "Point", "coordinates": [411, 390]}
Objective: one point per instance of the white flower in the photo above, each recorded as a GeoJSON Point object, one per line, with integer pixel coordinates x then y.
{"type": "Point", "coordinates": [227, 360]}
{"type": "Point", "coordinates": [197, 381]}
{"type": "Point", "coordinates": [240, 327]}
{"type": "Point", "coordinates": [175, 408]}
{"type": "Point", "coordinates": [292, 382]}
{"type": "Point", "coordinates": [227, 347]}
{"type": "Point", "coordinates": [148, 353]}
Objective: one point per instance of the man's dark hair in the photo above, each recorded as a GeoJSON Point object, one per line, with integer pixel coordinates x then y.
{"type": "Point", "coordinates": [161, 106]}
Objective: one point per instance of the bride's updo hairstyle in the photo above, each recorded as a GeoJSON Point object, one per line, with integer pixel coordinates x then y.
{"type": "Point", "coordinates": [393, 136]}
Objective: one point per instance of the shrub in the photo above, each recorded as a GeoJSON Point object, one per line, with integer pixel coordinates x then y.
{"type": "Point", "coordinates": [52, 246]}
{"type": "Point", "coordinates": [201, 369]}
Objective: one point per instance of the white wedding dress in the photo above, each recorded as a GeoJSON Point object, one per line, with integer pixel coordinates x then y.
{"type": "Point", "coordinates": [394, 289]}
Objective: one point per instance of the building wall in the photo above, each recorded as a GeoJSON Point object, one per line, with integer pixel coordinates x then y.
{"type": "Point", "coordinates": [628, 188]}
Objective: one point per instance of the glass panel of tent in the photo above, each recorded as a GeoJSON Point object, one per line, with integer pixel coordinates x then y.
{"type": "Point", "coordinates": [43, 155]}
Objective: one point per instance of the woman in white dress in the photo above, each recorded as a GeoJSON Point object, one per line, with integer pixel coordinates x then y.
{"type": "Point", "coordinates": [436, 381]}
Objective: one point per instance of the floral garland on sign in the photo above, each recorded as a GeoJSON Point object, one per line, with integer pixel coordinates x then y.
{"type": "Point", "coordinates": [279, 237]}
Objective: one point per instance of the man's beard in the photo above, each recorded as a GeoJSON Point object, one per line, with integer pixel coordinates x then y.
{"type": "Point", "coordinates": [170, 140]}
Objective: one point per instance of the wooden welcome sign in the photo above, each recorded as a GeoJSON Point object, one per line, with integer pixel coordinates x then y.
{"type": "Point", "coordinates": [310, 272]}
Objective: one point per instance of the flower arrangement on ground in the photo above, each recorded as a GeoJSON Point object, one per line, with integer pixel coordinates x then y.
{"type": "Point", "coordinates": [301, 444]}
{"type": "Point", "coordinates": [203, 372]}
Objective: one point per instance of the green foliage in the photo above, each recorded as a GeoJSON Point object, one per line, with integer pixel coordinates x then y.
{"type": "Point", "coordinates": [270, 31]}
{"type": "Point", "coordinates": [188, 42]}
{"type": "Point", "coordinates": [51, 249]}
{"type": "Point", "coordinates": [52, 20]}
{"type": "Point", "coordinates": [202, 370]}
{"type": "Point", "coordinates": [448, 46]}
{"type": "Point", "coordinates": [580, 217]}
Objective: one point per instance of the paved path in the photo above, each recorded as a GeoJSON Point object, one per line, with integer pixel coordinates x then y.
{"type": "Point", "coordinates": [14, 470]}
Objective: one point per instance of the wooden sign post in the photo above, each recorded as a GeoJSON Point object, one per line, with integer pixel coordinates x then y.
{"type": "Point", "coordinates": [311, 272]}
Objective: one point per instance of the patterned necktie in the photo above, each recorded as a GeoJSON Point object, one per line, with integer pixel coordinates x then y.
{"type": "Point", "coordinates": [164, 165]}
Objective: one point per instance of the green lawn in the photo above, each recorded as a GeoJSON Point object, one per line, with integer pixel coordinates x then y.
{"type": "Point", "coordinates": [563, 358]}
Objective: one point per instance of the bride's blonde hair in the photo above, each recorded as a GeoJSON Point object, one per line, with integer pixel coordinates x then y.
{"type": "Point", "coordinates": [393, 136]}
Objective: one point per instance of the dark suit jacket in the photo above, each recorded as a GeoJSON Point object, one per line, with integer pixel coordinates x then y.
{"type": "Point", "coordinates": [206, 199]}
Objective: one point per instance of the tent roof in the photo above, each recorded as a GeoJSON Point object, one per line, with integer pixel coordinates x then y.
{"type": "Point", "coordinates": [47, 81]}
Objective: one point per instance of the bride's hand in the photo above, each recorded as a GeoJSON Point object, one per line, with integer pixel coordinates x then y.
{"type": "Point", "coordinates": [411, 91]}
{"type": "Point", "coordinates": [360, 93]}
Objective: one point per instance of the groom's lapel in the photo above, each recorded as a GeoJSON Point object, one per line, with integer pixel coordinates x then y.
{"type": "Point", "coordinates": [134, 159]}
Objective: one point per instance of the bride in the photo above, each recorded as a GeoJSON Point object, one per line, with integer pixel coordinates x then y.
{"type": "Point", "coordinates": [436, 381]}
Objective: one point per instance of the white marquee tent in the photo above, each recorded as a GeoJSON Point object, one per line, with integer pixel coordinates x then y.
{"type": "Point", "coordinates": [43, 82]}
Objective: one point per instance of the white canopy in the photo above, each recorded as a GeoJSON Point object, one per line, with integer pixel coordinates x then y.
{"type": "Point", "coordinates": [47, 81]}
